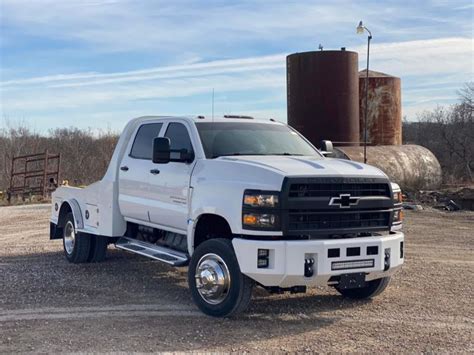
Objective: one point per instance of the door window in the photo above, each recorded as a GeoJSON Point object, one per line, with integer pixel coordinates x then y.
{"type": "Point", "coordinates": [143, 145]}
{"type": "Point", "coordinates": [179, 137]}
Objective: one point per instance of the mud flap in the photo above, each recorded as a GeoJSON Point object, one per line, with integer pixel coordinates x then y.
{"type": "Point", "coordinates": [55, 232]}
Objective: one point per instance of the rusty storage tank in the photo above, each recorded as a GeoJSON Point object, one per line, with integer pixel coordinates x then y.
{"type": "Point", "coordinates": [322, 95]}
{"type": "Point", "coordinates": [384, 118]}
{"type": "Point", "coordinates": [413, 167]}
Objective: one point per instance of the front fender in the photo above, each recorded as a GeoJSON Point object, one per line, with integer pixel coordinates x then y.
{"type": "Point", "coordinates": [192, 223]}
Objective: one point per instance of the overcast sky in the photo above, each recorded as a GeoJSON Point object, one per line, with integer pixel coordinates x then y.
{"type": "Point", "coordinates": [98, 63]}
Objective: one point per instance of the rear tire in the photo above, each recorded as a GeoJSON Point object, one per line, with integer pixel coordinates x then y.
{"type": "Point", "coordinates": [217, 286]}
{"type": "Point", "coordinates": [98, 248]}
{"type": "Point", "coordinates": [76, 245]}
{"type": "Point", "coordinates": [372, 289]}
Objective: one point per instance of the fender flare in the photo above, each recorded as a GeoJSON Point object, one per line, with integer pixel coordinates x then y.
{"type": "Point", "coordinates": [76, 212]}
{"type": "Point", "coordinates": [192, 223]}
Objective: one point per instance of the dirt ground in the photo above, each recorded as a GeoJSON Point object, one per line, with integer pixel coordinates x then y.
{"type": "Point", "coordinates": [129, 303]}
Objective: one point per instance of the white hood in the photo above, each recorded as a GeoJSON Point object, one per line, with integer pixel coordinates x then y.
{"type": "Point", "coordinates": [308, 166]}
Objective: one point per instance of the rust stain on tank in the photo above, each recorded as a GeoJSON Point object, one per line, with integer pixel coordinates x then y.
{"type": "Point", "coordinates": [322, 95]}
{"type": "Point", "coordinates": [384, 119]}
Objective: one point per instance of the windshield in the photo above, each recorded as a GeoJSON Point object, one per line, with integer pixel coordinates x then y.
{"type": "Point", "coordinates": [243, 138]}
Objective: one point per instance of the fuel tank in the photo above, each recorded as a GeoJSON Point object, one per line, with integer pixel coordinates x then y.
{"type": "Point", "coordinates": [384, 116]}
{"type": "Point", "coordinates": [323, 95]}
{"type": "Point", "coordinates": [413, 167]}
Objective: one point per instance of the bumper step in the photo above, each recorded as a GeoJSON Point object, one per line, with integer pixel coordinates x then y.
{"type": "Point", "coordinates": [166, 255]}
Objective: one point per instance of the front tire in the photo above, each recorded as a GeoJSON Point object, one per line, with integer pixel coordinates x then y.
{"type": "Point", "coordinates": [76, 245]}
{"type": "Point", "coordinates": [372, 289]}
{"type": "Point", "coordinates": [217, 286]}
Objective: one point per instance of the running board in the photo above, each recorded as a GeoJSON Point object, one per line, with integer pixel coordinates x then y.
{"type": "Point", "coordinates": [166, 255]}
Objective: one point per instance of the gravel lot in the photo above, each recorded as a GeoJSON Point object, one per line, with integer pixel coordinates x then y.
{"type": "Point", "coordinates": [131, 304]}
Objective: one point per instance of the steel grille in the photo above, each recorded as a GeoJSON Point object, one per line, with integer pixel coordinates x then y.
{"type": "Point", "coordinates": [307, 211]}
{"type": "Point", "coordinates": [304, 220]}
{"type": "Point", "coordinates": [301, 190]}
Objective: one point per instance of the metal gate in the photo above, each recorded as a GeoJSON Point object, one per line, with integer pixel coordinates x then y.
{"type": "Point", "coordinates": [34, 174]}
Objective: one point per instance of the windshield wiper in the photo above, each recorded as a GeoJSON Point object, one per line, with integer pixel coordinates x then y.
{"type": "Point", "coordinates": [234, 154]}
{"type": "Point", "coordinates": [287, 154]}
{"type": "Point", "coordinates": [263, 154]}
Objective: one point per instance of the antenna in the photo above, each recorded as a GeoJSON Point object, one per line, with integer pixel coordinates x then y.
{"type": "Point", "coordinates": [212, 104]}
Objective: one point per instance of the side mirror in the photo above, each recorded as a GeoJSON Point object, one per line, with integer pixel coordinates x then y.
{"type": "Point", "coordinates": [326, 148]}
{"type": "Point", "coordinates": [163, 154]}
{"type": "Point", "coordinates": [161, 150]}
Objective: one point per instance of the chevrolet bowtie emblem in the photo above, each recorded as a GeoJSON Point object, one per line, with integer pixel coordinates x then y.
{"type": "Point", "coordinates": [344, 201]}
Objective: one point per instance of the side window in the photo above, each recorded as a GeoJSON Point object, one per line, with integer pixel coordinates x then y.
{"type": "Point", "coordinates": [179, 136]}
{"type": "Point", "coordinates": [143, 145]}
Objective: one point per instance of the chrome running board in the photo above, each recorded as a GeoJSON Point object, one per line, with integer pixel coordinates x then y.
{"type": "Point", "coordinates": [166, 255]}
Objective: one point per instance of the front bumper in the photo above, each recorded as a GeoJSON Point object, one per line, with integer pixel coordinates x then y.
{"type": "Point", "coordinates": [286, 264]}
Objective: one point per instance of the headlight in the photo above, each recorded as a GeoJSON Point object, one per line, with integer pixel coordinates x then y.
{"type": "Point", "coordinates": [260, 210]}
{"type": "Point", "coordinates": [268, 221]}
{"type": "Point", "coordinates": [397, 216]}
{"type": "Point", "coordinates": [397, 197]}
{"type": "Point", "coordinates": [260, 199]}
{"type": "Point", "coordinates": [397, 193]}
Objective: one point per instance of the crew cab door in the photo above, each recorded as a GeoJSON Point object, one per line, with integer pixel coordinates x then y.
{"type": "Point", "coordinates": [169, 184]}
{"type": "Point", "coordinates": [134, 173]}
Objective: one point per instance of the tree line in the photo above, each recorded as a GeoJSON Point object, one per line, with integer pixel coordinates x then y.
{"type": "Point", "coordinates": [449, 133]}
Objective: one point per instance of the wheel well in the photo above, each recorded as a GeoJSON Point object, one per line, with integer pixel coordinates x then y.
{"type": "Point", "coordinates": [63, 212]}
{"type": "Point", "coordinates": [211, 226]}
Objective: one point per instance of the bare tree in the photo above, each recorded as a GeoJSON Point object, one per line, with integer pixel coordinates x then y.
{"type": "Point", "coordinates": [449, 134]}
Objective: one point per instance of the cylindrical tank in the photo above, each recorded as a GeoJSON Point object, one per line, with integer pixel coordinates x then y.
{"type": "Point", "coordinates": [322, 95]}
{"type": "Point", "coordinates": [413, 167]}
{"type": "Point", "coordinates": [384, 118]}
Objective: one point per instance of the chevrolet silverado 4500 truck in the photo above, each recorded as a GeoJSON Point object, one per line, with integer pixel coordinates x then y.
{"type": "Point", "coordinates": [242, 202]}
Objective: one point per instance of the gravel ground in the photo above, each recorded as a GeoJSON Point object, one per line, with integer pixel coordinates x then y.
{"type": "Point", "coordinates": [131, 304]}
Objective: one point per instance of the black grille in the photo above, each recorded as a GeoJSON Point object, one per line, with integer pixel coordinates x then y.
{"type": "Point", "coordinates": [333, 190]}
{"type": "Point", "coordinates": [310, 206]}
{"type": "Point", "coordinates": [310, 220]}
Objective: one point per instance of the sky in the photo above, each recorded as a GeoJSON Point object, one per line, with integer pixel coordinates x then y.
{"type": "Point", "coordinates": [98, 63]}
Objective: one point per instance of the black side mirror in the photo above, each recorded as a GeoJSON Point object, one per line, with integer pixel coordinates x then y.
{"type": "Point", "coordinates": [161, 150]}
{"type": "Point", "coordinates": [163, 154]}
{"type": "Point", "coordinates": [326, 148]}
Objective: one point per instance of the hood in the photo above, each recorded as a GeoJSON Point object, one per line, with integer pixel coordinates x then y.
{"type": "Point", "coordinates": [308, 166]}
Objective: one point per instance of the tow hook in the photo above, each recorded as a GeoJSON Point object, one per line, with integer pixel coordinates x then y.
{"type": "Point", "coordinates": [387, 260]}
{"type": "Point", "coordinates": [308, 267]}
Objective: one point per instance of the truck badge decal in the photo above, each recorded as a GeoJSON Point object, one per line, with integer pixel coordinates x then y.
{"type": "Point", "coordinates": [344, 201]}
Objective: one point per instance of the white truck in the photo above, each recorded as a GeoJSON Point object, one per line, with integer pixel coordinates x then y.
{"type": "Point", "coordinates": [242, 202]}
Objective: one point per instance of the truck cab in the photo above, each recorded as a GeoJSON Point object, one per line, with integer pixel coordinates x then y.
{"type": "Point", "coordinates": [242, 203]}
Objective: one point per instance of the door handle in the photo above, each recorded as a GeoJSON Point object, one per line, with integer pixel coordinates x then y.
{"type": "Point", "coordinates": [154, 171]}
{"type": "Point", "coordinates": [124, 168]}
